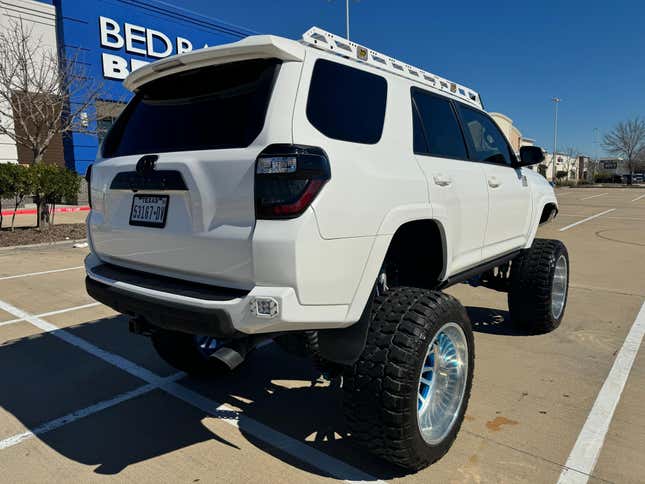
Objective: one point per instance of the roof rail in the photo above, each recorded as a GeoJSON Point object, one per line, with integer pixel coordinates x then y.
{"type": "Point", "coordinates": [321, 39]}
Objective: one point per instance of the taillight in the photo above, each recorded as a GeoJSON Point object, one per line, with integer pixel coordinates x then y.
{"type": "Point", "coordinates": [287, 179]}
{"type": "Point", "coordinates": [88, 179]}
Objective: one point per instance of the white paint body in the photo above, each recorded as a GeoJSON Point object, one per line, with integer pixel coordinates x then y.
{"type": "Point", "coordinates": [321, 266]}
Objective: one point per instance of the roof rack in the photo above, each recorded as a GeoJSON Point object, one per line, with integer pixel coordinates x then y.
{"type": "Point", "coordinates": [324, 40]}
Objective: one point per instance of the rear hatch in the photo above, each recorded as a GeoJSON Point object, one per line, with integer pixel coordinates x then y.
{"type": "Point", "coordinates": [172, 192]}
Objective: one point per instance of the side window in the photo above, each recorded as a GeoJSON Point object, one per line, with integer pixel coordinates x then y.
{"type": "Point", "coordinates": [345, 103]}
{"type": "Point", "coordinates": [485, 140]}
{"type": "Point", "coordinates": [439, 124]}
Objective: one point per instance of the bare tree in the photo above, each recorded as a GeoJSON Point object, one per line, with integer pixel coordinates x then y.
{"type": "Point", "coordinates": [627, 141]}
{"type": "Point", "coordinates": [570, 159]}
{"type": "Point", "coordinates": [42, 94]}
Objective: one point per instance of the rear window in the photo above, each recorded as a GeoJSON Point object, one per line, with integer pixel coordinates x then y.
{"type": "Point", "coordinates": [221, 106]}
{"type": "Point", "coordinates": [346, 104]}
{"type": "Point", "coordinates": [436, 129]}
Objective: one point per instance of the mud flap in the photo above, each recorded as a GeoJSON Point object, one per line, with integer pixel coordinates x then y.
{"type": "Point", "coordinates": [344, 346]}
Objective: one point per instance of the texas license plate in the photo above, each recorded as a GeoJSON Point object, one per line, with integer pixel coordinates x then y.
{"type": "Point", "coordinates": [149, 210]}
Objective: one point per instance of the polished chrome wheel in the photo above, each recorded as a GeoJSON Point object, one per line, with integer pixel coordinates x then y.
{"type": "Point", "coordinates": [206, 344]}
{"type": "Point", "coordinates": [559, 287]}
{"type": "Point", "coordinates": [442, 383]}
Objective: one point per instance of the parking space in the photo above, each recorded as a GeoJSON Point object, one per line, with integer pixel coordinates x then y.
{"type": "Point", "coordinates": [81, 398]}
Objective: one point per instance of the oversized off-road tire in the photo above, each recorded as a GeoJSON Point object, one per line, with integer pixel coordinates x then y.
{"type": "Point", "coordinates": [417, 363]}
{"type": "Point", "coordinates": [539, 286]}
{"type": "Point", "coordinates": [188, 352]}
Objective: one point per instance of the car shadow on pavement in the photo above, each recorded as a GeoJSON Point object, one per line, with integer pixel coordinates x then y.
{"type": "Point", "coordinates": [493, 321]}
{"type": "Point", "coordinates": [44, 378]}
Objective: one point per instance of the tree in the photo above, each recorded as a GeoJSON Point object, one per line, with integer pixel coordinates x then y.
{"type": "Point", "coordinates": [627, 141]}
{"type": "Point", "coordinates": [16, 183]}
{"type": "Point", "coordinates": [569, 161]}
{"type": "Point", "coordinates": [42, 94]}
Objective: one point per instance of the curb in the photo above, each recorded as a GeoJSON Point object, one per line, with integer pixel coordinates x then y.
{"type": "Point", "coordinates": [32, 211]}
{"type": "Point", "coordinates": [42, 244]}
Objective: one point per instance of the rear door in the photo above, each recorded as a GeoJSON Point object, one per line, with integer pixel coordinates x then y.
{"type": "Point", "coordinates": [173, 192]}
{"type": "Point", "coordinates": [458, 192]}
{"type": "Point", "coordinates": [509, 195]}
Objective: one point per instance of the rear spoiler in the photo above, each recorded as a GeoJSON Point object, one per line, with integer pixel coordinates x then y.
{"type": "Point", "coordinates": [253, 47]}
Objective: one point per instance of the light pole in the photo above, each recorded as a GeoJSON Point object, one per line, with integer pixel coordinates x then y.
{"type": "Point", "coordinates": [556, 101]}
{"type": "Point", "coordinates": [595, 148]}
{"type": "Point", "coordinates": [347, 18]}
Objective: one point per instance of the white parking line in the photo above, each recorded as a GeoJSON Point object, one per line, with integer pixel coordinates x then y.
{"type": "Point", "coordinates": [586, 219]}
{"type": "Point", "coordinates": [52, 313]}
{"type": "Point", "coordinates": [583, 457]}
{"type": "Point", "coordinates": [29, 274]}
{"type": "Point", "coordinates": [638, 198]}
{"type": "Point", "coordinates": [223, 412]}
{"type": "Point", "coordinates": [613, 218]}
{"type": "Point", "coordinates": [85, 412]}
{"type": "Point", "coordinates": [594, 196]}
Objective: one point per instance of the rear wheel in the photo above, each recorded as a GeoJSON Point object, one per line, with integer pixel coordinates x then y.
{"type": "Point", "coordinates": [188, 352]}
{"type": "Point", "coordinates": [539, 286]}
{"type": "Point", "coordinates": [406, 397]}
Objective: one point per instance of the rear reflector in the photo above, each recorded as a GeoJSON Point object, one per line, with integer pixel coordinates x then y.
{"type": "Point", "coordinates": [88, 178]}
{"type": "Point", "coordinates": [287, 180]}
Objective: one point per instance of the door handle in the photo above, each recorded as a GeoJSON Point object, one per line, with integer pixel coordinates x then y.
{"type": "Point", "coordinates": [493, 182]}
{"type": "Point", "coordinates": [442, 180]}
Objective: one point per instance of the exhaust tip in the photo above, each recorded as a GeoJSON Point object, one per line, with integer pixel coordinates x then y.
{"type": "Point", "coordinates": [228, 356]}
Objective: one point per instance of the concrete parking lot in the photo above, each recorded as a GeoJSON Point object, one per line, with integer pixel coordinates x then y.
{"type": "Point", "coordinates": [81, 399]}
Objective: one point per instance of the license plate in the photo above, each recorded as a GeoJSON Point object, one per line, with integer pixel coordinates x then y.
{"type": "Point", "coordinates": [149, 210]}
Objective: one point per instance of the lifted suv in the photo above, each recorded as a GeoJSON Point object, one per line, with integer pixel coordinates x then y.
{"type": "Point", "coordinates": [321, 194]}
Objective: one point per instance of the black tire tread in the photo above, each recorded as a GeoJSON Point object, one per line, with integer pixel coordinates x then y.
{"type": "Point", "coordinates": [529, 296]}
{"type": "Point", "coordinates": [377, 388]}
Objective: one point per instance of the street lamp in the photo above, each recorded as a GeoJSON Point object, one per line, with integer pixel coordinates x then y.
{"type": "Point", "coordinates": [556, 101]}
{"type": "Point", "coordinates": [346, 16]}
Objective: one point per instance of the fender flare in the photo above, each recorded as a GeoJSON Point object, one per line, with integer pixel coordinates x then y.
{"type": "Point", "coordinates": [345, 345]}
{"type": "Point", "coordinates": [543, 201]}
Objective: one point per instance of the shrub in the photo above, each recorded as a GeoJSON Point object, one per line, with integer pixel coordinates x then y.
{"type": "Point", "coordinates": [52, 184]}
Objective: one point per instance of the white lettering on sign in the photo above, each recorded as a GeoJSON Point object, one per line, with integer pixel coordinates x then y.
{"type": "Point", "coordinates": [134, 39]}
{"type": "Point", "coordinates": [132, 36]}
{"type": "Point", "coordinates": [114, 67]}
{"type": "Point", "coordinates": [183, 45]}
{"type": "Point", "coordinates": [110, 33]}
{"type": "Point", "coordinates": [151, 35]}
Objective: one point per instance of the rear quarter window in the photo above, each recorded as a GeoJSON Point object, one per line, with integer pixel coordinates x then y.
{"type": "Point", "coordinates": [345, 103]}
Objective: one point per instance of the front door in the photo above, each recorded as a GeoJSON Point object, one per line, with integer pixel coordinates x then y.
{"type": "Point", "coordinates": [509, 208]}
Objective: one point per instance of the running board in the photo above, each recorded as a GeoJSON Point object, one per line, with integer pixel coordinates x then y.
{"type": "Point", "coordinates": [479, 269]}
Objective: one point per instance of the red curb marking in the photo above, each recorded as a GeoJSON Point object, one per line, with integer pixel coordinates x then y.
{"type": "Point", "coordinates": [32, 211]}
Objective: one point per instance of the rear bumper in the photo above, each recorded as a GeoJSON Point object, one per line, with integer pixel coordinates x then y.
{"type": "Point", "coordinates": [200, 309]}
{"type": "Point", "coordinates": [164, 314]}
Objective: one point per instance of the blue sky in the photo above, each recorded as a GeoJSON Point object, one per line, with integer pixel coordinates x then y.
{"type": "Point", "coordinates": [590, 53]}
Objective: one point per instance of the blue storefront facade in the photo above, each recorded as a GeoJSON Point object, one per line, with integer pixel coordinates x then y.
{"type": "Point", "coordinates": [113, 37]}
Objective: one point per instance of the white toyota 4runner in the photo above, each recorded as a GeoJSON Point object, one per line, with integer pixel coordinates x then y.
{"type": "Point", "coordinates": [321, 194]}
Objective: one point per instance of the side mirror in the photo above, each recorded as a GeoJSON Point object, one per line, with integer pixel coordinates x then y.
{"type": "Point", "coordinates": [530, 155]}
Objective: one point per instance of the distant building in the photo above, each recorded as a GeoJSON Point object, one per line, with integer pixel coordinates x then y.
{"type": "Point", "coordinates": [513, 134]}
{"type": "Point", "coordinates": [113, 37]}
{"type": "Point", "coordinates": [574, 167]}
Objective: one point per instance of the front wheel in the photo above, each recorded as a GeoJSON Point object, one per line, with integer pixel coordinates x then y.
{"type": "Point", "coordinates": [406, 397]}
{"type": "Point", "coordinates": [539, 286]}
